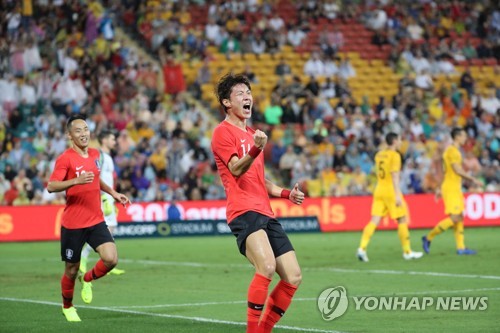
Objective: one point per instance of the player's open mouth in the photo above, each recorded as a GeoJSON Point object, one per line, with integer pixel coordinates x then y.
{"type": "Point", "coordinates": [246, 106]}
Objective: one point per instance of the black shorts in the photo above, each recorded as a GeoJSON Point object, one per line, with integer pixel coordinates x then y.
{"type": "Point", "coordinates": [73, 240]}
{"type": "Point", "coordinates": [250, 222]}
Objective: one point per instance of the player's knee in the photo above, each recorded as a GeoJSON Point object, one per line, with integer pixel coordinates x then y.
{"type": "Point", "coordinates": [71, 271]}
{"type": "Point", "coordinates": [110, 261]}
{"type": "Point", "coordinates": [295, 278]}
{"type": "Point", "coordinates": [267, 269]}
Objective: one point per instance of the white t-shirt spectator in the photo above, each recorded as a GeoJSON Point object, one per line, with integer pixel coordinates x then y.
{"type": "Point", "coordinates": [314, 67]}
{"type": "Point", "coordinates": [258, 46]}
{"type": "Point", "coordinates": [389, 113]}
{"type": "Point", "coordinates": [446, 67]}
{"type": "Point", "coordinates": [295, 37]}
{"type": "Point", "coordinates": [331, 68]}
{"type": "Point", "coordinates": [416, 128]}
{"type": "Point", "coordinates": [346, 70]}
{"type": "Point", "coordinates": [69, 65]}
{"type": "Point", "coordinates": [212, 32]}
{"type": "Point", "coordinates": [9, 91]}
{"type": "Point", "coordinates": [415, 31]}
{"type": "Point", "coordinates": [330, 9]}
{"type": "Point", "coordinates": [276, 23]}
{"type": "Point", "coordinates": [28, 94]}
{"type": "Point", "coordinates": [424, 81]}
{"type": "Point", "coordinates": [378, 20]}
{"type": "Point", "coordinates": [13, 21]}
{"type": "Point", "coordinates": [32, 58]}
{"type": "Point", "coordinates": [420, 64]}
{"type": "Point", "coordinates": [80, 94]}
{"type": "Point", "coordinates": [490, 104]}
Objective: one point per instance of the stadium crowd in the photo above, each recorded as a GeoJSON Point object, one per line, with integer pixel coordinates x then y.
{"type": "Point", "coordinates": [64, 57]}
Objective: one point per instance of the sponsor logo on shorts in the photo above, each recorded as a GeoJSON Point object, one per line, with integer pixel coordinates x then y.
{"type": "Point", "coordinates": [69, 253]}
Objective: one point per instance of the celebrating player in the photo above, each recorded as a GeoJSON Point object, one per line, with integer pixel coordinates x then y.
{"type": "Point", "coordinates": [77, 172]}
{"type": "Point", "coordinates": [451, 191]}
{"type": "Point", "coordinates": [388, 199]}
{"type": "Point", "coordinates": [107, 141]}
{"type": "Point", "coordinates": [260, 237]}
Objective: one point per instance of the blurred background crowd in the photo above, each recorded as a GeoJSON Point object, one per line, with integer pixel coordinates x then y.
{"type": "Point", "coordinates": [329, 78]}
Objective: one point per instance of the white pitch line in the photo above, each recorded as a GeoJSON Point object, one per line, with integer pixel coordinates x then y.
{"type": "Point", "coordinates": [410, 293]}
{"type": "Point", "coordinates": [394, 272]}
{"type": "Point", "coordinates": [330, 269]}
{"type": "Point", "coordinates": [164, 315]}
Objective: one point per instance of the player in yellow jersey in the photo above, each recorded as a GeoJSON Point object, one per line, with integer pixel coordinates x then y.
{"type": "Point", "coordinates": [388, 199]}
{"type": "Point", "coordinates": [451, 191]}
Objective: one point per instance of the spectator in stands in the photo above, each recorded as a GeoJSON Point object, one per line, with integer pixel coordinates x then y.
{"type": "Point", "coordinates": [419, 63]}
{"type": "Point", "coordinates": [346, 70]}
{"type": "Point", "coordinates": [423, 80]}
{"type": "Point", "coordinates": [314, 66]}
{"type": "Point", "coordinates": [330, 9]}
{"type": "Point", "coordinates": [282, 68]}
{"type": "Point", "coordinates": [276, 23]}
{"type": "Point", "coordinates": [484, 49]}
{"type": "Point", "coordinates": [467, 82]}
{"type": "Point", "coordinates": [490, 103]}
{"type": "Point", "coordinates": [377, 19]}
{"type": "Point", "coordinates": [258, 45]}
{"type": "Point", "coordinates": [273, 112]}
{"type": "Point", "coordinates": [295, 36]}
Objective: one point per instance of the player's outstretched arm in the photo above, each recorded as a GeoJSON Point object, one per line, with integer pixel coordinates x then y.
{"type": "Point", "coordinates": [122, 198]}
{"type": "Point", "coordinates": [63, 185]}
{"type": "Point", "coordinates": [295, 195]}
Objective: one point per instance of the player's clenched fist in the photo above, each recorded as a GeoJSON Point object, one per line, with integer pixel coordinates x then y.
{"type": "Point", "coordinates": [260, 139]}
{"type": "Point", "coordinates": [85, 178]}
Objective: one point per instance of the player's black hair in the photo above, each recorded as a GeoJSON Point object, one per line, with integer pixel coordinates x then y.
{"type": "Point", "coordinates": [455, 132]}
{"type": "Point", "coordinates": [226, 84]}
{"type": "Point", "coordinates": [72, 119]}
{"type": "Point", "coordinates": [103, 135]}
{"type": "Point", "coordinates": [390, 137]}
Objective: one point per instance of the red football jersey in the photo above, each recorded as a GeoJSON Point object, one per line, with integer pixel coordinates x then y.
{"type": "Point", "coordinates": [83, 202]}
{"type": "Point", "coordinates": [247, 192]}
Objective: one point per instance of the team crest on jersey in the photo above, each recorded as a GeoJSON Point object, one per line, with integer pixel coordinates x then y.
{"type": "Point", "coordinates": [69, 253]}
{"type": "Point", "coordinates": [97, 164]}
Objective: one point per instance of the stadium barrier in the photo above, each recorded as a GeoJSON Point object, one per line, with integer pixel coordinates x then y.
{"type": "Point", "coordinates": [33, 223]}
{"type": "Point", "coordinates": [204, 227]}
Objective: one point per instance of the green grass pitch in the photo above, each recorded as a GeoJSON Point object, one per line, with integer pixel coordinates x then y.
{"type": "Point", "coordinates": [199, 284]}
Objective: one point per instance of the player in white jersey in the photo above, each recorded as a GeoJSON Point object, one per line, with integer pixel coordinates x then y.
{"type": "Point", "coordinates": [107, 142]}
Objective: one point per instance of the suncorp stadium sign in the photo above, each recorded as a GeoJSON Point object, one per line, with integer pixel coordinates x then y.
{"type": "Point", "coordinates": [203, 227]}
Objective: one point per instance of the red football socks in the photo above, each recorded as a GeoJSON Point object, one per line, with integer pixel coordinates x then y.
{"type": "Point", "coordinates": [277, 303]}
{"type": "Point", "coordinates": [257, 294]}
{"type": "Point", "coordinates": [98, 271]}
{"type": "Point", "coordinates": [67, 288]}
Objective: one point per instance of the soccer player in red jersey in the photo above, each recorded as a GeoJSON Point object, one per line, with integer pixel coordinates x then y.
{"type": "Point", "coordinates": [77, 172]}
{"type": "Point", "coordinates": [260, 237]}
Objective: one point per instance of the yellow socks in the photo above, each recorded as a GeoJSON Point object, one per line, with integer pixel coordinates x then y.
{"type": "Point", "coordinates": [459, 235]}
{"type": "Point", "coordinates": [404, 237]}
{"type": "Point", "coordinates": [367, 234]}
{"type": "Point", "coordinates": [439, 228]}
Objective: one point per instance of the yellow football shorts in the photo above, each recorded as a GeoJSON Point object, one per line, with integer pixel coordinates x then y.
{"type": "Point", "coordinates": [386, 205]}
{"type": "Point", "coordinates": [454, 202]}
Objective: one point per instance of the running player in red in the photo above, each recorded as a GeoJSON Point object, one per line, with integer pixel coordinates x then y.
{"type": "Point", "coordinates": [260, 237]}
{"type": "Point", "coordinates": [77, 172]}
